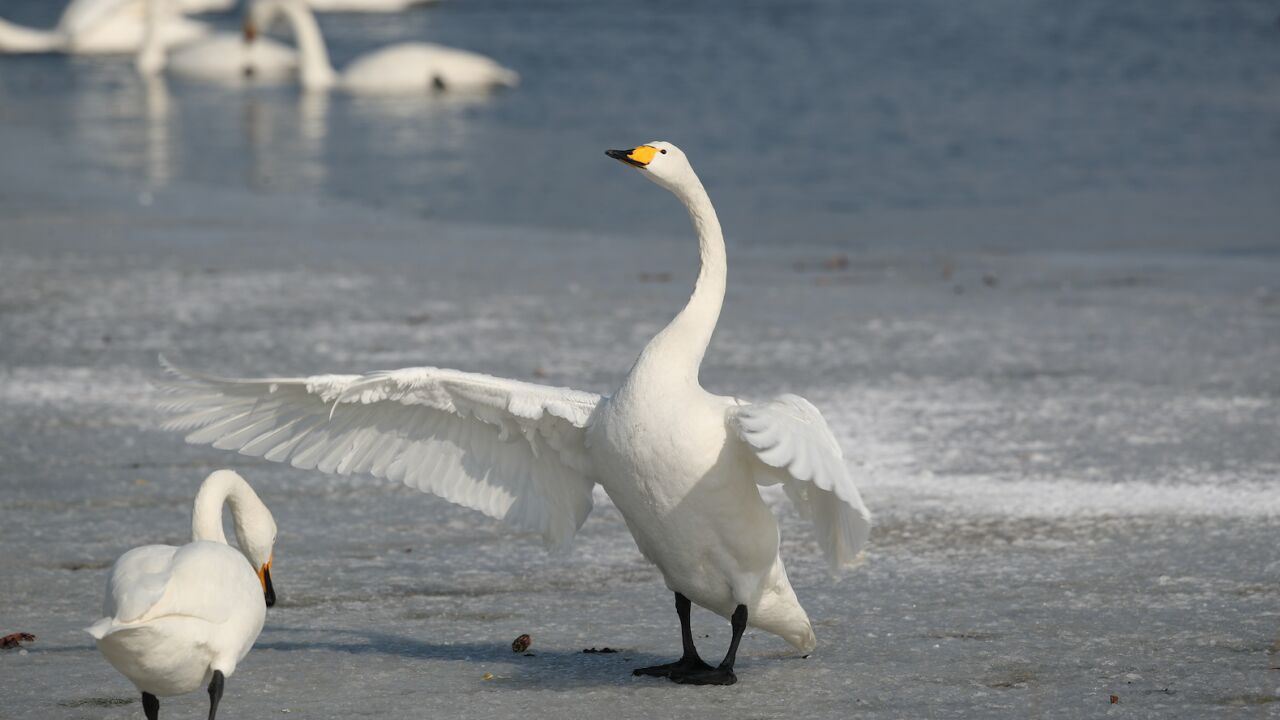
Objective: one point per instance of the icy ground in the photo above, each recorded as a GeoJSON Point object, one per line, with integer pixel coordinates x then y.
{"type": "Point", "coordinates": [1072, 459]}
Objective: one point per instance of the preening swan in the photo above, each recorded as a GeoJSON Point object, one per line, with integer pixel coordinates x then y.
{"type": "Point", "coordinates": [100, 26]}
{"type": "Point", "coordinates": [222, 57]}
{"type": "Point", "coordinates": [400, 68]}
{"type": "Point", "coordinates": [682, 465]}
{"type": "Point", "coordinates": [177, 618]}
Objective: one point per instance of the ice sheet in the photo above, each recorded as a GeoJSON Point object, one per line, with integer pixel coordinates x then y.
{"type": "Point", "coordinates": [1071, 459]}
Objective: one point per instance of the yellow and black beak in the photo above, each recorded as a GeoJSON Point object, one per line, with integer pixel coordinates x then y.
{"type": "Point", "coordinates": [268, 590]}
{"type": "Point", "coordinates": [638, 157]}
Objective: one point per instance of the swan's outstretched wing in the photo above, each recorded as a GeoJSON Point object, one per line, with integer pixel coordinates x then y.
{"type": "Point", "coordinates": [512, 450]}
{"type": "Point", "coordinates": [795, 447]}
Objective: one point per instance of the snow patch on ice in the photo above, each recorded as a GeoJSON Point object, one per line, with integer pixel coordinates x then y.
{"type": "Point", "coordinates": [1062, 498]}
{"type": "Point", "coordinates": [68, 387]}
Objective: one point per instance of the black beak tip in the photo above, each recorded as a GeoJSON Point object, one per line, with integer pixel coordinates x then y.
{"type": "Point", "coordinates": [623, 156]}
{"type": "Point", "coordinates": [270, 592]}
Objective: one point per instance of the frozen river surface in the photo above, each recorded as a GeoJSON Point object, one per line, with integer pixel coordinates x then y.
{"type": "Point", "coordinates": [1072, 460]}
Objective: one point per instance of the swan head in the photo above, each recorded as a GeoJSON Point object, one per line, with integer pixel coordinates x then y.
{"type": "Point", "coordinates": [255, 527]}
{"type": "Point", "coordinates": [257, 18]}
{"type": "Point", "coordinates": [660, 161]}
{"type": "Point", "coordinates": [263, 14]}
{"type": "Point", "coordinates": [256, 535]}
{"type": "Point", "coordinates": [802, 638]}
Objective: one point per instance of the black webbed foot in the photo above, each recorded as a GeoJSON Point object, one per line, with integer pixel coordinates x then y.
{"type": "Point", "coordinates": [709, 676]}
{"type": "Point", "coordinates": [681, 666]}
{"type": "Point", "coordinates": [690, 669]}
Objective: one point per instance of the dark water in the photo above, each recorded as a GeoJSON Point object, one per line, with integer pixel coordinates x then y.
{"type": "Point", "coordinates": [1028, 123]}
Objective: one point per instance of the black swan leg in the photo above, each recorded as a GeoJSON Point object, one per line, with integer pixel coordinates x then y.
{"type": "Point", "coordinates": [723, 674]}
{"type": "Point", "coordinates": [215, 692]}
{"type": "Point", "coordinates": [689, 660]}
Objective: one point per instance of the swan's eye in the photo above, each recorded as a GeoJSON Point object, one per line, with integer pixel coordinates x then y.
{"type": "Point", "coordinates": [663, 151]}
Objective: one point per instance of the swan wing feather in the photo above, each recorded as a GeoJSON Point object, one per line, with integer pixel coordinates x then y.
{"type": "Point", "coordinates": [512, 450]}
{"type": "Point", "coordinates": [137, 582]}
{"type": "Point", "coordinates": [793, 445]}
{"type": "Point", "coordinates": [193, 580]}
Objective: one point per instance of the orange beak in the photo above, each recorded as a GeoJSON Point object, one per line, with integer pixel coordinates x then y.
{"type": "Point", "coordinates": [268, 590]}
{"type": "Point", "coordinates": [635, 157]}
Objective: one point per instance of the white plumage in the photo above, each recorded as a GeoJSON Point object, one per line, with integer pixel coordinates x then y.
{"type": "Point", "coordinates": [397, 69]}
{"type": "Point", "coordinates": [509, 449]}
{"type": "Point", "coordinates": [227, 58]}
{"type": "Point", "coordinates": [791, 438]}
{"type": "Point", "coordinates": [174, 617]}
{"type": "Point", "coordinates": [365, 6]}
{"type": "Point", "coordinates": [206, 6]}
{"type": "Point", "coordinates": [102, 26]}
{"type": "Point", "coordinates": [221, 57]}
{"type": "Point", "coordinates": [680, 464]}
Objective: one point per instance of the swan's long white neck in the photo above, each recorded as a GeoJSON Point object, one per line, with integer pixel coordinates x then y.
{"type": "Point", "coordinates": [677, 351]}
{"type": "Point", "coordinates": [151, 55]}
{"type": "Point", "coordinates": [223, 487]}
{"type": "Point", "coordinates": [315, 70]}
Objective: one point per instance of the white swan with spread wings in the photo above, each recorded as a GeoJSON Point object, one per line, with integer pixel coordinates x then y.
{"type": "Point", "coordinates": [682, 465]}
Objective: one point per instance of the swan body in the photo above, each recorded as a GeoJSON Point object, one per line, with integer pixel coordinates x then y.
{"type": "Point", "coordinates": [226, 57]}
{"type": "Point", "coordinates": [682, 465]}
{"type": "Point", "coordinates": [176, 617]}
{"type": "Point", "coordinates": [172, 649]}
{"type": "Point", "coordinates": [400, 68]}
{"type": "Point", "coordinates": [99, 27]}
{"type": "Point", "coordinates": [420, 67]}
{"type": "Point", "coordinates": [222, 57]}
{"type": "Point", "coordinates": [692, 508]}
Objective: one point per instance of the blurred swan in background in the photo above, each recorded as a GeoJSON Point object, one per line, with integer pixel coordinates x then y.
{"type": "Point", "coordinates": [682, 465]}
{"type": "Point", "coordinates": [105, 26]}
{"type": "Point", "coordinates": [355, 6]}
{"type": "Point", "coordinates": [399, 68]}
{"type": "Point", "coordinates": [222, 57]}
{"type": "Point", "coordinates": [195, 7]}
{"type": "Point", "coordinates": [176, 618]}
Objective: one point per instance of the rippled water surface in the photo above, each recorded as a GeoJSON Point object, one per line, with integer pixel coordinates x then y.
{"type": "Point", "coordinates": [1022, 123]}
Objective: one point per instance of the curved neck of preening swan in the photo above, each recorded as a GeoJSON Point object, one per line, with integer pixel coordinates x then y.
{"type": "Point", "coordinates": [679, 348]}
{"type": "Point", "coordinates": [150, 59]}
{"type": "Point", "coordinates": [224, 487]}
{"type": "Point", "coordinates": [314, 69]}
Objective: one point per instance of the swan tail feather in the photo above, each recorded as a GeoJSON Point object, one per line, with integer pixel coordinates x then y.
{"type": "Point", "coordinates": [508, 78]}
{"type": "Point", "coordinates": [101, 629]}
